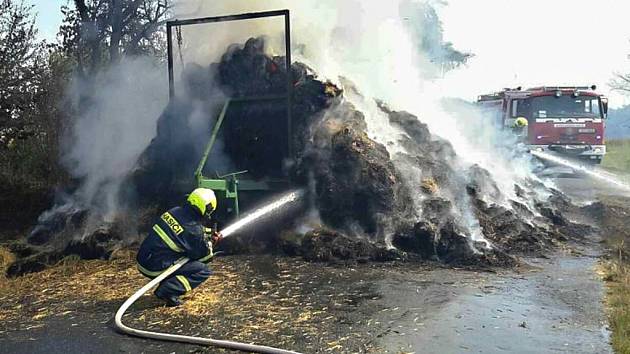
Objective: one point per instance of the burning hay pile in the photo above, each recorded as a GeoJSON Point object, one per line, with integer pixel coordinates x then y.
{"type": "Point", "coordinates": [367, 204]}
{"type": "Point", "coordinates": [368, 208]}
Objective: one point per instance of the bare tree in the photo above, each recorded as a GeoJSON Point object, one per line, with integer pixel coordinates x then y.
{"type": "Point", "coordinates": [621, 82]}
{"type": "Point", "coordinates": [97, 31]}
{"type": "Point", "coordinates": [428, 31]}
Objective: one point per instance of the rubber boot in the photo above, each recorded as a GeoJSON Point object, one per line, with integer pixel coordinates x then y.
{"type": "Point", "coordinates": [171, 301]}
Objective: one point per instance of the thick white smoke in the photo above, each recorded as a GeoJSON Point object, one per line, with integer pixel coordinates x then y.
{"type": "Point", "coordinates": [372, 44]}
{"type": "Point", "coordinates": [116, 115]}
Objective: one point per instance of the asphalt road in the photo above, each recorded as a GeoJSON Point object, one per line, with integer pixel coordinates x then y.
{"type": "Point", "coordinates": [584, 190]}
{"type": "Point", "coordinates": [555, 306]}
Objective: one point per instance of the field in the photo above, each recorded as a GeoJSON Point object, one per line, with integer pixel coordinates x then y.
{"type": "Point", "coordinates": [617, 270]}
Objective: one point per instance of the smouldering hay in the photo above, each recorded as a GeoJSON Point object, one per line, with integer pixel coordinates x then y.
{"type": "Point", "coordinates": [429, 186]}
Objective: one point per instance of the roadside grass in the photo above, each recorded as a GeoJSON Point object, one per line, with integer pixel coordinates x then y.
{"type": "Point", "coordinates": [617, 276]}
{"type": "Point", "coordinates": [617, 157]}
{"type": "Point", "coordinates": [615, 225]}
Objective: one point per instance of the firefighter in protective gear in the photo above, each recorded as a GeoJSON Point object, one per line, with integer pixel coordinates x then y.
{"type": "Point", "coordinates": [519, 127]}
{"type": "Point", "coordinates": [520, 122]}
{"type": "Point", "coordinates": [179, 233]}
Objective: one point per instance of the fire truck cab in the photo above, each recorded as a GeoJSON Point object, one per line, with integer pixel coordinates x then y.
{"type": "Point", "coordinates": [566, 120]}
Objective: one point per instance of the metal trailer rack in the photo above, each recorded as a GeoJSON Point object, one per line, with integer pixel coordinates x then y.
{"type": "Point", "coordinates": [228, 186]}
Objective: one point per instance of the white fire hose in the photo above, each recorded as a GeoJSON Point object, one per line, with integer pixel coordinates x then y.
{"type": "Point", "coordinates": [180, 338]}
{"type": "Point", "coordinates": [197, 340]}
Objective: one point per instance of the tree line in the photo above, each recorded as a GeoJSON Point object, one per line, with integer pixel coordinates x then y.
{"type": "Point", "coordinates": [34, 74]}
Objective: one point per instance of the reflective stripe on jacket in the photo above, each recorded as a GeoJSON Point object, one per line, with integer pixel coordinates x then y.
{"type": "Point", "coordinates": [176, 233]}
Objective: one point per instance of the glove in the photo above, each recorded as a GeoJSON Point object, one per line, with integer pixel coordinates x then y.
{"type": "Point", "coordinates": [210, 255]}
{"type": "Point", "coordinates": [216, 237]}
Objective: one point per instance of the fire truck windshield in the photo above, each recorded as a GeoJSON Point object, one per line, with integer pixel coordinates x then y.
{"type": "Point", "coordinates": [565, 106]}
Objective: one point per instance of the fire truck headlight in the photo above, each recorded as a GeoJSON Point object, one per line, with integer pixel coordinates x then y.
{"type": "Point", "coordinates": [597, 150]}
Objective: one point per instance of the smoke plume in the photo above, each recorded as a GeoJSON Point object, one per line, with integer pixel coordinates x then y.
{"type": "Point", "coordinates": [115, 124]}
{"type": "Point", "coordinates": [373, 45]}
{"type": "Point", "coordinates": [366, 44]}
{"type": "Point", "coordinates": [114, 119]}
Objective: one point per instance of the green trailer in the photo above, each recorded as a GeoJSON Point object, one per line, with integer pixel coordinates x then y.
{"type": "Point", "coordinates": [229, 186]}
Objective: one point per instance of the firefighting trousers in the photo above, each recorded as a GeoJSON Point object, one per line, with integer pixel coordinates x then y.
{"type": "Point", "coordinates": [186, 278]}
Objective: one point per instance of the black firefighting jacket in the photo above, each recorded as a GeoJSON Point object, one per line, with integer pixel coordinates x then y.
{"type": "Point", "coordinates": [176, 234]}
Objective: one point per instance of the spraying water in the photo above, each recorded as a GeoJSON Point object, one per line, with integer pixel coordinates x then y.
{"type": "Point", "coordinates": [600, 175]}
{"type": "Point", "coordinates": [274, 206]}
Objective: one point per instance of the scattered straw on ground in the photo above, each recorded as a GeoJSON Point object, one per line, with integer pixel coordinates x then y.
{"type": "Point", "coordinates": [6, 258]}
{"type": "Point", "coordinates": [288, 302]}
{"type": "Point", "coordinates": [36, 296]}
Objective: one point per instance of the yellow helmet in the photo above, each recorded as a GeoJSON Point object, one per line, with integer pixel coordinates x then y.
{"type": "Point", "coordinates": [204, 200]}
{"type": "Point", "coordinates": [520, 122]}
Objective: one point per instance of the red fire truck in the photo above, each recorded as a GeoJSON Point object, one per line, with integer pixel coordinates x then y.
{"type": "Point", "coordinates": [566, 120]}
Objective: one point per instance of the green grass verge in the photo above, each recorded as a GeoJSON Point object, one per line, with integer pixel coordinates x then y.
{"type": "Point", "coordinates": [618, 303]}
{"type": "Point", "coordinates": [615, 227]}
{"type": "Point", "coordinates": [617, 157]}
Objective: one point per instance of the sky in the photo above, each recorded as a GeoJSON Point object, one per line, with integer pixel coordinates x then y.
{"type": "Point", "coordinates": [515, 42]}
{"type": "Point", "coordinates": [48, 17]}
{"type": "Point", "coordinates": [538, 42]}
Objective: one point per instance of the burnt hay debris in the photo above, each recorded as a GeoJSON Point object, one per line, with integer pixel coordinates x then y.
{"type": "Point", "coordinates": [364, 204]}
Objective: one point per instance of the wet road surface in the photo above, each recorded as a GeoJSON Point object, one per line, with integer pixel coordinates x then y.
{"type": "Point", "coordinates": [553, 307]}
